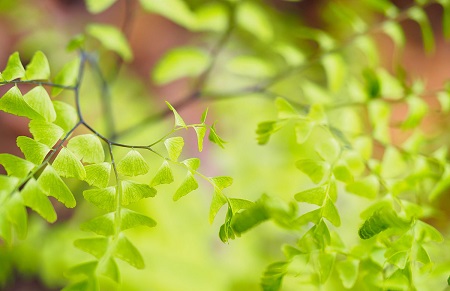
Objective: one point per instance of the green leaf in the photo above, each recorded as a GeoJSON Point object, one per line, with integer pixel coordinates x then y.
{"type": "Point", "coordinates": [45, 132]}
{"type": "Point", "coordinates": [112, 39]}
{"type": "Point", "coordinates": [101, 225]}
{"type": "Point", "coordinates": [213, 137]}
{"type": "Point", "coordinates": [446, 19]}
{"type": "Point", "coordinates": [178, 119]}
{"type": "Point", "coordinates": [16, 166]}
{"type": "Point", "coordinates": [200, 131]}
{"type": "Point", "coordinates": [192, 164]}
{"type": "Point", "coordinates": [418, 14]}
{"type": "Point", "coordinates": [422, 255]}
{"type": "Point", "coordinates": [342, 172]}
{"type": "Point", "coordinates": [395, 31]}
{"type": "Point", "coordinates": [217, 202]}
{"type": "Point", "coordinates": [87, 147]}
{"type": "Point", "coordinates": [426, 233]}
{"type": "Point", "coordinates": [176, 10]}
{"type": "Point", "coordinates": [34, 151]}
{"type": "Point", "coordinates": [110, 270]}
{"type": "Point", "coordinates": [67, 76]}
{"type": "Point", "coordinates": [66, 115]}
{"type": "Point", "coordinates": [188, 185]}
{"type": "Point", "coordinates": [174, 146]}
{"type": "Point", "coordinates": [14, 103]}
{"type": "Point", "coordinates": [379, 221]}
{"type": "Point", "coordinates": [251, 67]}
{"type": "Point", "coordinates": [285, 109]}
{"type": "Point", "coordinates": [163, 175]}
{"type": "Point", "coordinates": [237, 204]}
{"type": "Point", "coordinates": [265, 130]}
{"type": "Point", "coordinates": [348, 272]}
{"type": "Point", "coordinates": [212, 16]}
{"type": "Point", "coordinates": [133, 164]}
{"type": "Point", "coordinates": [393, 163]}
{"type": "Point", "coordinates": [5, 230]}
{"type": "Point", "coordinates": [36, 199]}
{"type": "Point", "coordinates": [97, 6]}
{"type": "Point", "coordinates": [98, 174]}
{"type": "Point", "coordinates": [95, 246]}
{"type": "Point", "coordinates": [67, 165]}
{"type": "Point", "coordinates": [328, 150]}
{"type": "Point", "coordinates": [335, 69]}
{"type": "Point", "coordinates": [417, 109]}
{"type": "Point", "coordinates": [330, 212]}
{"type": "Point", "coordinates": [90, 284]}
{"type": "Point", "coordinates": [86, 269]}
{"type": "Point", "coordinates": [39, 100]}
{"type": "Point", "coordinates": [222, 182]}
{"type": "Point", "coordinates": [367, 187]}
{"type": "Point", "coordinates": [52, 185]}
{"type": "Point", "coordinates": [133, 192]}
{"type": "Point", "coordinates": [317, 113]}
{"type": "Point", "coordinates": [325, 264]}
{"type": "Point", "coordinates": [102, 198]}
{"type": "Point", "coordinates": [38, 68]}
{"type": "Point", "coordinates": [16, 214]}
{"type": "Point", "coordinates": [399, 259]}
{"type": "Point", "coordinates": [315, 170]}
{"type": "Point", "coordinates": [273, 276]}
{"type": "Point", "coordinates": [204, 115]}
{"type": "Point", "coordinates": [251, 17]}
{"type": "Point", "coordinates": [313, 196]}
{"type": "Point", "coordinates": [7, 185]}
{"type": "Point", "coordinates": [179, 63]}
{"type": "Point", "coordinates": [127, 252]}
{"type": "Point", "coordinates": [303, 129]}
{"type": "Point", "coordinates": [14, 68]}
{"type": "Point", "coordinates": [444, 100]}
{"type": "Point", "coordinates": [131, 219]}
{"type": "Point", "coordinates": [249, 218]}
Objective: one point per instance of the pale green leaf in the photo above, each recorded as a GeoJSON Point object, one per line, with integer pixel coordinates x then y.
{"type": "Point", "coordinates": [212, 17]}
{"type": "Point", "coordinates": [98, 174]}
{"type": "Point", "coordinates": [204, 115]}
{"type": "Point", "coordinates": [418, 14]}
{"type": "Point", "coordinates": [110, 270]}
{"type": "Point", "coordinates": [163, 175]}
{"type": "Point", "coordinates": [425, 232]}
{"type": "Point", "coordinates": [422, 255]}
{"type": "Point", "coordinates": [395, 31]}
{"type": "Point", "coordinates": [251, 66]}
{"type": "Point", "coordinates": [237, 204]}
{"type": "Point", "coordinates": [5, 230]}
{"type": "Point", "coordinates": [176, 10]}
{"type": "Point", "coordinates": [217, 202]}
{"type": "Point", "coordinates": [200, 131]}
{"type": "Point", "coordinates": [444, 99]}
{"type": "Point", "coordinates": [14, 103]}
{"type": "Point", "coordinates": [325, 264]}
{"type": "Point", "coordinates": [273, 276]}
{"type": "Point", "coordinates": [303, 129]}
{"type": "Point", "coordinates": [66, 115]}
{"type": "Point", "coordinates": [133, 164]}
{"type": "Point", "coordinates": [178, 119]}
{"type": "Point", "coordinates": [91, 284]}
{"type": "Point", "coordinates": [249, 218]}
{"type": "Point", "coordinates": [87, 147]}
{"type": "Point", "coordinates": [251, 17]}
{"type": "Point", "coordinates": [95, 246]}
{"type": "Point", "coordinates": [39, 100]}
{"type": "Point", "coordinates": [285, 109]}
{"type": "Point", "coordinates": [188, 185]}
{"type": "Point", "coordinates": [330, 212]}
{"type": "Point", "coordinates": [127, 252]}
{"type": "Point", "coordinates": [77, 42]}
{"type": "Point", "coordinates": [192, 164]}
{"type": "Point", "coordinates": [34, 151]}
{"type": "Point", "coordinates": [102, 198]}
{"type": "Point", "coordinates": [446, 19]}
{"type": "Point", "coordinates": [14, 68]}
{"type": "Point", "coordinates": [67, 76]}
{"type": "Point", "coordinates": [45, 132]}
{"type": "Point", "coordinates": [101, 225]}
{"type": "Point", "coordinates": [16, 166]}
{"type": "Point", "coordinates": [329, 149]}
{"type": "Point", "coordinates": [417, 109]}
{"type": "Point", "coordinates": [313, 196]}
{"type": "Point", "coordinates": [131, 219]}
{"type": "Point", "coordinates": [290, 53]}
{"type": "Point", "coordinates": [342, 173]}
{"type": "Point", "coordinates": [393, 164]}
{"type": "Point", "coordinates": [68, 165]}
{"type": "Point", "coordinates": [133, 192]}
{"type": "Point", "coordinates": [7, 185]}
{"type": "Point", "coordinates": [367, 187]}
{"type": "Point", "coordinates": [174, 146]}
{"type": "Point", "coordinates": [335, 69]}
{"type": "Point", "coordinates": [112, 39]}
{"type": "Point", "coordinates": [52, 185]}
{"type": "Point", "coordinates": [222, 182]}
{"type": "Point", "coordinates": [17, 215]}
{"type": "Point", "coordinates": [36, 199]}
{"type": "Point", "coordinates": [266, 129]}
{"type": "Point", "coordinates": [348, 272]}
{"type": "Point", "coordinates": [179, 63]}
{"type": "Point", "coordinates": [38, 68]}
{"type": "Point", "coordinates": [442, 184]}
{"type": "Point", "coordinates": [317, 113]}
{"type": "Point", "coordinates": [97, 6]}
{"type": "Point", "coordinates": [315, 170]}
{"type": "Point", "coordinates": [213, 137]}
{"type": "Point", "coordinates": [87, 269]}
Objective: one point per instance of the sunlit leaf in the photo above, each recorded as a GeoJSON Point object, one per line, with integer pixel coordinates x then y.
{"type": "Point", "coordinates": [335, 69]}
{"type": "Point", "coordinates": [178, 119]}
{"type": "Point", "coordinates": [200, 132]}
{"type": "Point", "coordinates": [14, 103]}
{"type": "Point", "coordinates": [417, 109]}
{"type": "Point", "coordinates": [102, 198]}
{"type": "Point", "coordinates": [68, 165]}
{"type": "Point", "coordinates": [17, 215]}
{"type": "Point", "coordinates": [239, 204]}
{"type": "Point", "coordinates": [222, 182]}
{"type": "Point", "coordinates": [285, 109]}
{"type": "Point", "coordinates": [192, 164]}
{"type": "Point", "coordinates": [176, 10]}
{"type": "Point", "coordinates": [315, 170]}
{"type": "Point", "coordinates": [163, 175]}
{"type": "Point", "coordinates": [330, 212]}
{"type": "Point", "coordinates": [45, 132]}
{"type": "Point", "coordinates": [367, 187]}
{"type": "Point", "coordinates": [38, 99]}
{"type": "Point", "coordinates": [342, 173]}
{"type": "Point", "coordinates": [179, 63]}
{"type": "Point", "coordinates": [217, 202]}
{"type": "Point", "coordinates": [52, 185]}
{"type": "Point", "coordinates": [38, 68]}
{"type": "Point", "coordinates": [313, 196]}
{"type": "Point", "coordinates": [66, 115]}
{"type": "Point", "coordinates": [133, 164]}
{"type": "Point", "coordinates": [273, 276]}
{"type": "Point", "coordinates": [16, 166]}
{"type": "Point", "coordinates": [14, 68]}
{"type": "Point", "coordinates": [131, 219]}
{"type": "Point", "coordinates": [251, 66]}
{"type": "Point", "coordinates": [395, 31]}
{"type": "Point", "coordinates": [101, 225]}
{"type": "Point", "coordinates": [214, 137]}
{"type": "Point", "coordinates": [188, 185]}
{"type": "Point", "coordinates": [329, 149]}
{"type": "Point", "coordinates": [212, 17]}
{"type": "Point", "coordinates": [174, 146]}
{"type": "Point", "coordinates": [127, 252]}
{"type": "Point", "coordinates": [86, 269]}
{"type": "Point", "coordinates": [110, 270]}
{"type": "Point", "coordinates": [325, 265]}
{"type": "Point", "coordinates": [98, 174]}
{"type": "Point", "coordinates": [34, 151]}
{"type": "Point", "coordinates": [133, 192]}
{"type": "Point", "coordinates": [303, 129]}
{"type": "Point", "coordinates": [67, 76]}
{"type": "Point", "coordinates": [418, 14]}
{"type": "Point", "coordinates": [36, 199]}
{"type": "Point", "coordinates": [112, 39]}
{"type": "Point", "coordinates": [91, 284]}
{"type": "Point", "coordinates": [7, 184]}
{"type": "Point", "coordinates": [425, 232]}
{"type": "Point", "coordinates": [249, 218]}
{"type": "Point", "coordinates": [97, 6]}
{"type": "Point", "coordinates": [254, 19]}
{"type": "Point", "coordinates": [348, 272]}
{"type": "Point", "coordinates": [393, 164]}
{"type": "Point", "coordinates": [87, 147]}
{"type": "Point", "coordinates": [95, 246]}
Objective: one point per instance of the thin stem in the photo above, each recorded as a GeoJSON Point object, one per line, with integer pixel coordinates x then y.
{"type": "Point", "coordinates": [34, 82]}
{"type": "Point", "coordinates": [78, 84]}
